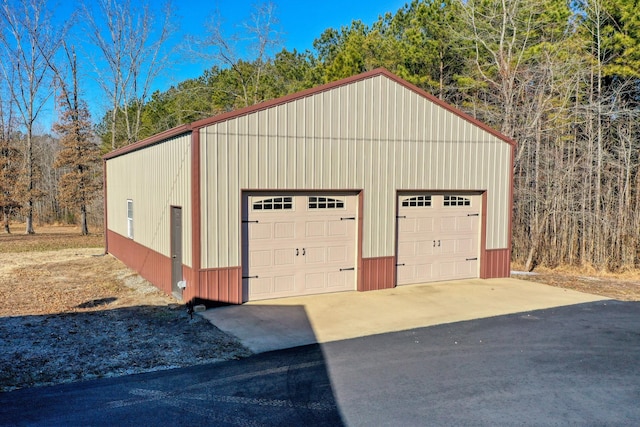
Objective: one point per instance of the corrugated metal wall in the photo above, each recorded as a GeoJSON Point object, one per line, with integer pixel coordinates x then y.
{"type": "Point", "coordinates": [154, 178]}
{"type": "Point", "coordinates": [373, 134]}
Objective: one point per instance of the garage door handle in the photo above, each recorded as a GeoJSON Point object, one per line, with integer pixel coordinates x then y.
{"type": "Point", "coordinates": [473, 214]}
{"type": "Point", "coordinates": [472, 259]}
{"type": "Point", "coordinates": [297, 252]}
{"type": "Point", "coordinates": [348, 217]}
{"type": "Point", "coordinates": [348, 269]}
{"type": "Point", "coordinates": [434, 243]}
{"type": "Point", "coordinates": [303, 252]}
{"type": "Point", "coordinates": [249, 277]}
{"type": "Point", "coordinates": [245, 221]}
{"type": "Point", "coordinates": [399, 265]}
{"type": "Point", "coordinates": [401, 216]}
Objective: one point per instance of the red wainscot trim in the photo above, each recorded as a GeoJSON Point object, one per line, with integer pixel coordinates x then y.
{"type": "Point", "coordinates": [496, 263]}
{"type": "Point", "coordinates": [153, 266]}
{"type": "Point", "coordinates": [378, 273]}
{"type": "Point", "coordinates": [219, 284]}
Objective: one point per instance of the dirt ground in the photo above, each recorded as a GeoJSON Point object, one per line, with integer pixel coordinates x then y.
{"type": "Point", "coordinates": [68, 312]}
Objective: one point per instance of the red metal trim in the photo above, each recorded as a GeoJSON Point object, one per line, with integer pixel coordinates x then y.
{"type": "Point", "coordinates": [104, 203]}
{"type": "Point", "coordinates": [378, 273]}
{"type": "Point", "coordinates": [498, 263]}
{"type": "Point", "coordinates": [360, 262]}
{"type": "Point", "coordinates": [221, 284]}
{"type": "Point", "coordinates": [483, 237]}
{"type": "Point", "coordinates": [153, 266]}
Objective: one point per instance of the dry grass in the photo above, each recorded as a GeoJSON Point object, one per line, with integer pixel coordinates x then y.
{"type": "Point", "coordinates": [48, 238]}
{"type": "Point", "coordinates": [68, 312]}
{"type": "Point", "coordinates": [624, 286]}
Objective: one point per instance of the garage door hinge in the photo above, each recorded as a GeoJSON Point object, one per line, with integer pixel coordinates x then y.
{"type": "Point", "coordinates": [245, 221]}
{"type": "Point", "coordinates": [349, 217]}
{"type": "Point", "coordinates": [472, 259]}
{"type": "Point", "coordinates": [473, 214]}
{"type": "Point", "coordinates": [347, 269]}
{"type": "Point", "coordinates": [249, 277]}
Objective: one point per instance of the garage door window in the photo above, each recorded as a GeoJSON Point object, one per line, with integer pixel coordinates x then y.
{"type": "Point", "coordinates": [325, 203]}
{"type": "Point", "coordinates": [456, 201]}
{"type": "Point", "coordinates": [417, 201]}
{"type": "Point", "coordinates": [274, 203]}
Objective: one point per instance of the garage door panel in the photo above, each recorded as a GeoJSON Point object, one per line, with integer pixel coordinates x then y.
{"type": "Point", "coordinates": [465, 247]}
{"type": "Point", "coordinates": [284, 230]}
{"type": "Point", "coordinates": [407, 248]}
{"type": "Point", "coordinates": [338, 228]}
{"type": "Point", "coordinates": [425, 225]}
{"type": "Point", "coordinates": [262, 286]}
{"type": "Point", "coordinates": [315, 281]}
{"type": "Point", "coordinates": [338, 254]}
{"type": "Point", "coordinates": [407, 225]}
{"type": "Point", "coordinates": [424, 248]}
{"type": "Point", "coordinates": [297, 247]}
{"type": "Point", "coordinates": [283, 284]}
{"type": "Point", "coordinates": [261, 258]}
{"type": "Point", "coordinates": [261, 231]}
{"type": "Point", "coordinates": [283, 257]}
{"type": "Point", "coordinates": [315, 229]}
{"type": "Point", "coordinates": [436, 235]}
{"type": "Point", "coordinates": [338, 279]}
{"type": "Point", "coordinates": [466, 224]}
{"type": "Point", "coordinates": [314, 255]}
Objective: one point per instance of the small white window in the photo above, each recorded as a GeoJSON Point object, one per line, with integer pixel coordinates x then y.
{"type": "Point", "coordinates": [130, 218]}
{"type": "Point", "coordinates": [274, 203]}
{"type": "Point", "coordinates": [456, 201]}
{"type": "Point", "coordinates": [325, 203]}
{"type": "Point", "coordinates": [417, 201]}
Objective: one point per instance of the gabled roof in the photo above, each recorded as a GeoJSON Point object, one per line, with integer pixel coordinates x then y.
{"type": "Point", "coordinates": [194, 126]}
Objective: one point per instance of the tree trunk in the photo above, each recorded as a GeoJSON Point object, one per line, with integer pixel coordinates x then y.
{"type": "Point", "coordinates": [29, 228]}
{"type": "Point", "coordinates": [84, 229]}
{"type": "Point", "coordinates": [5, 213]}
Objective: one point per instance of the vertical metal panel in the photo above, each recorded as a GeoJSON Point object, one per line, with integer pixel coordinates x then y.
{"type": "Point", "coordinates": [372, 134]}
{"type": "Point", "coordinates": [155, 178]}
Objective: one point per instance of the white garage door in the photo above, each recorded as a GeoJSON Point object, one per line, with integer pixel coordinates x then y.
{"type": "Point", "coordinates": [299, 244]}
{"type": "Point", "coordinates": [438, 237]}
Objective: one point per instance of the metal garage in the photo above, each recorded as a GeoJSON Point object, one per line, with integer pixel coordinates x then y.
{"type": "Point", "coordinates": [299, 244]}
{"type": "Point", "coordinates": [361, 184]}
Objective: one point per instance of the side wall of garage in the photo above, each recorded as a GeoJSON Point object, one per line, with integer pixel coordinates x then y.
{"type": "Point", "coordinates": [141, 188]}
{"type": "Point", "coordinates": [374, 134]}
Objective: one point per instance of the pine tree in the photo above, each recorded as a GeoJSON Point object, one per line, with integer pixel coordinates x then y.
{"type": "Point", "coordinates": [79, 154]}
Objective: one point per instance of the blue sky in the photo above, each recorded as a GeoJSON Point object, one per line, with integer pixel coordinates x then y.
{"type": "Point", "coordinates": [300, 23]}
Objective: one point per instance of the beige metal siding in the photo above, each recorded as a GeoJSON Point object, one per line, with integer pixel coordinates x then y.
{"type": "Point", "coordinates": [154, 178]}
{"type": "Point", "coordinates": [372, 134]}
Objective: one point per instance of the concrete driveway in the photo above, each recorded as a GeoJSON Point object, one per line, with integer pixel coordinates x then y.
{"type": "Point", "coordinates": [289, 322]}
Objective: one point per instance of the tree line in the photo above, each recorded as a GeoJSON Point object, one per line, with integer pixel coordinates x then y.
{"type": "Point", "coordinates": [560, 77]}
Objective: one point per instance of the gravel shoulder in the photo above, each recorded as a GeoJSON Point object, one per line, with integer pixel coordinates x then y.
{"type": "Point", "coordinates": [76, 314]}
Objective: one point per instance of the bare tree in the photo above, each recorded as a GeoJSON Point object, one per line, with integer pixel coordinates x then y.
{"type": "Point", "coordinates": [29, 42]}
{"type": "Point", "coordinates": [260, 37]}
{"type": "Point", "coordinates": [132, 43]}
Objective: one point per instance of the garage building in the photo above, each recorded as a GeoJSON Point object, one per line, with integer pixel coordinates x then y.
{"type": "Point", "coordinates": [361, 184]}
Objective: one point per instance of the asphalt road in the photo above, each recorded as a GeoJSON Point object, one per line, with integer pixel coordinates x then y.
{"type": "Point", "coordinates": [577, 365]}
